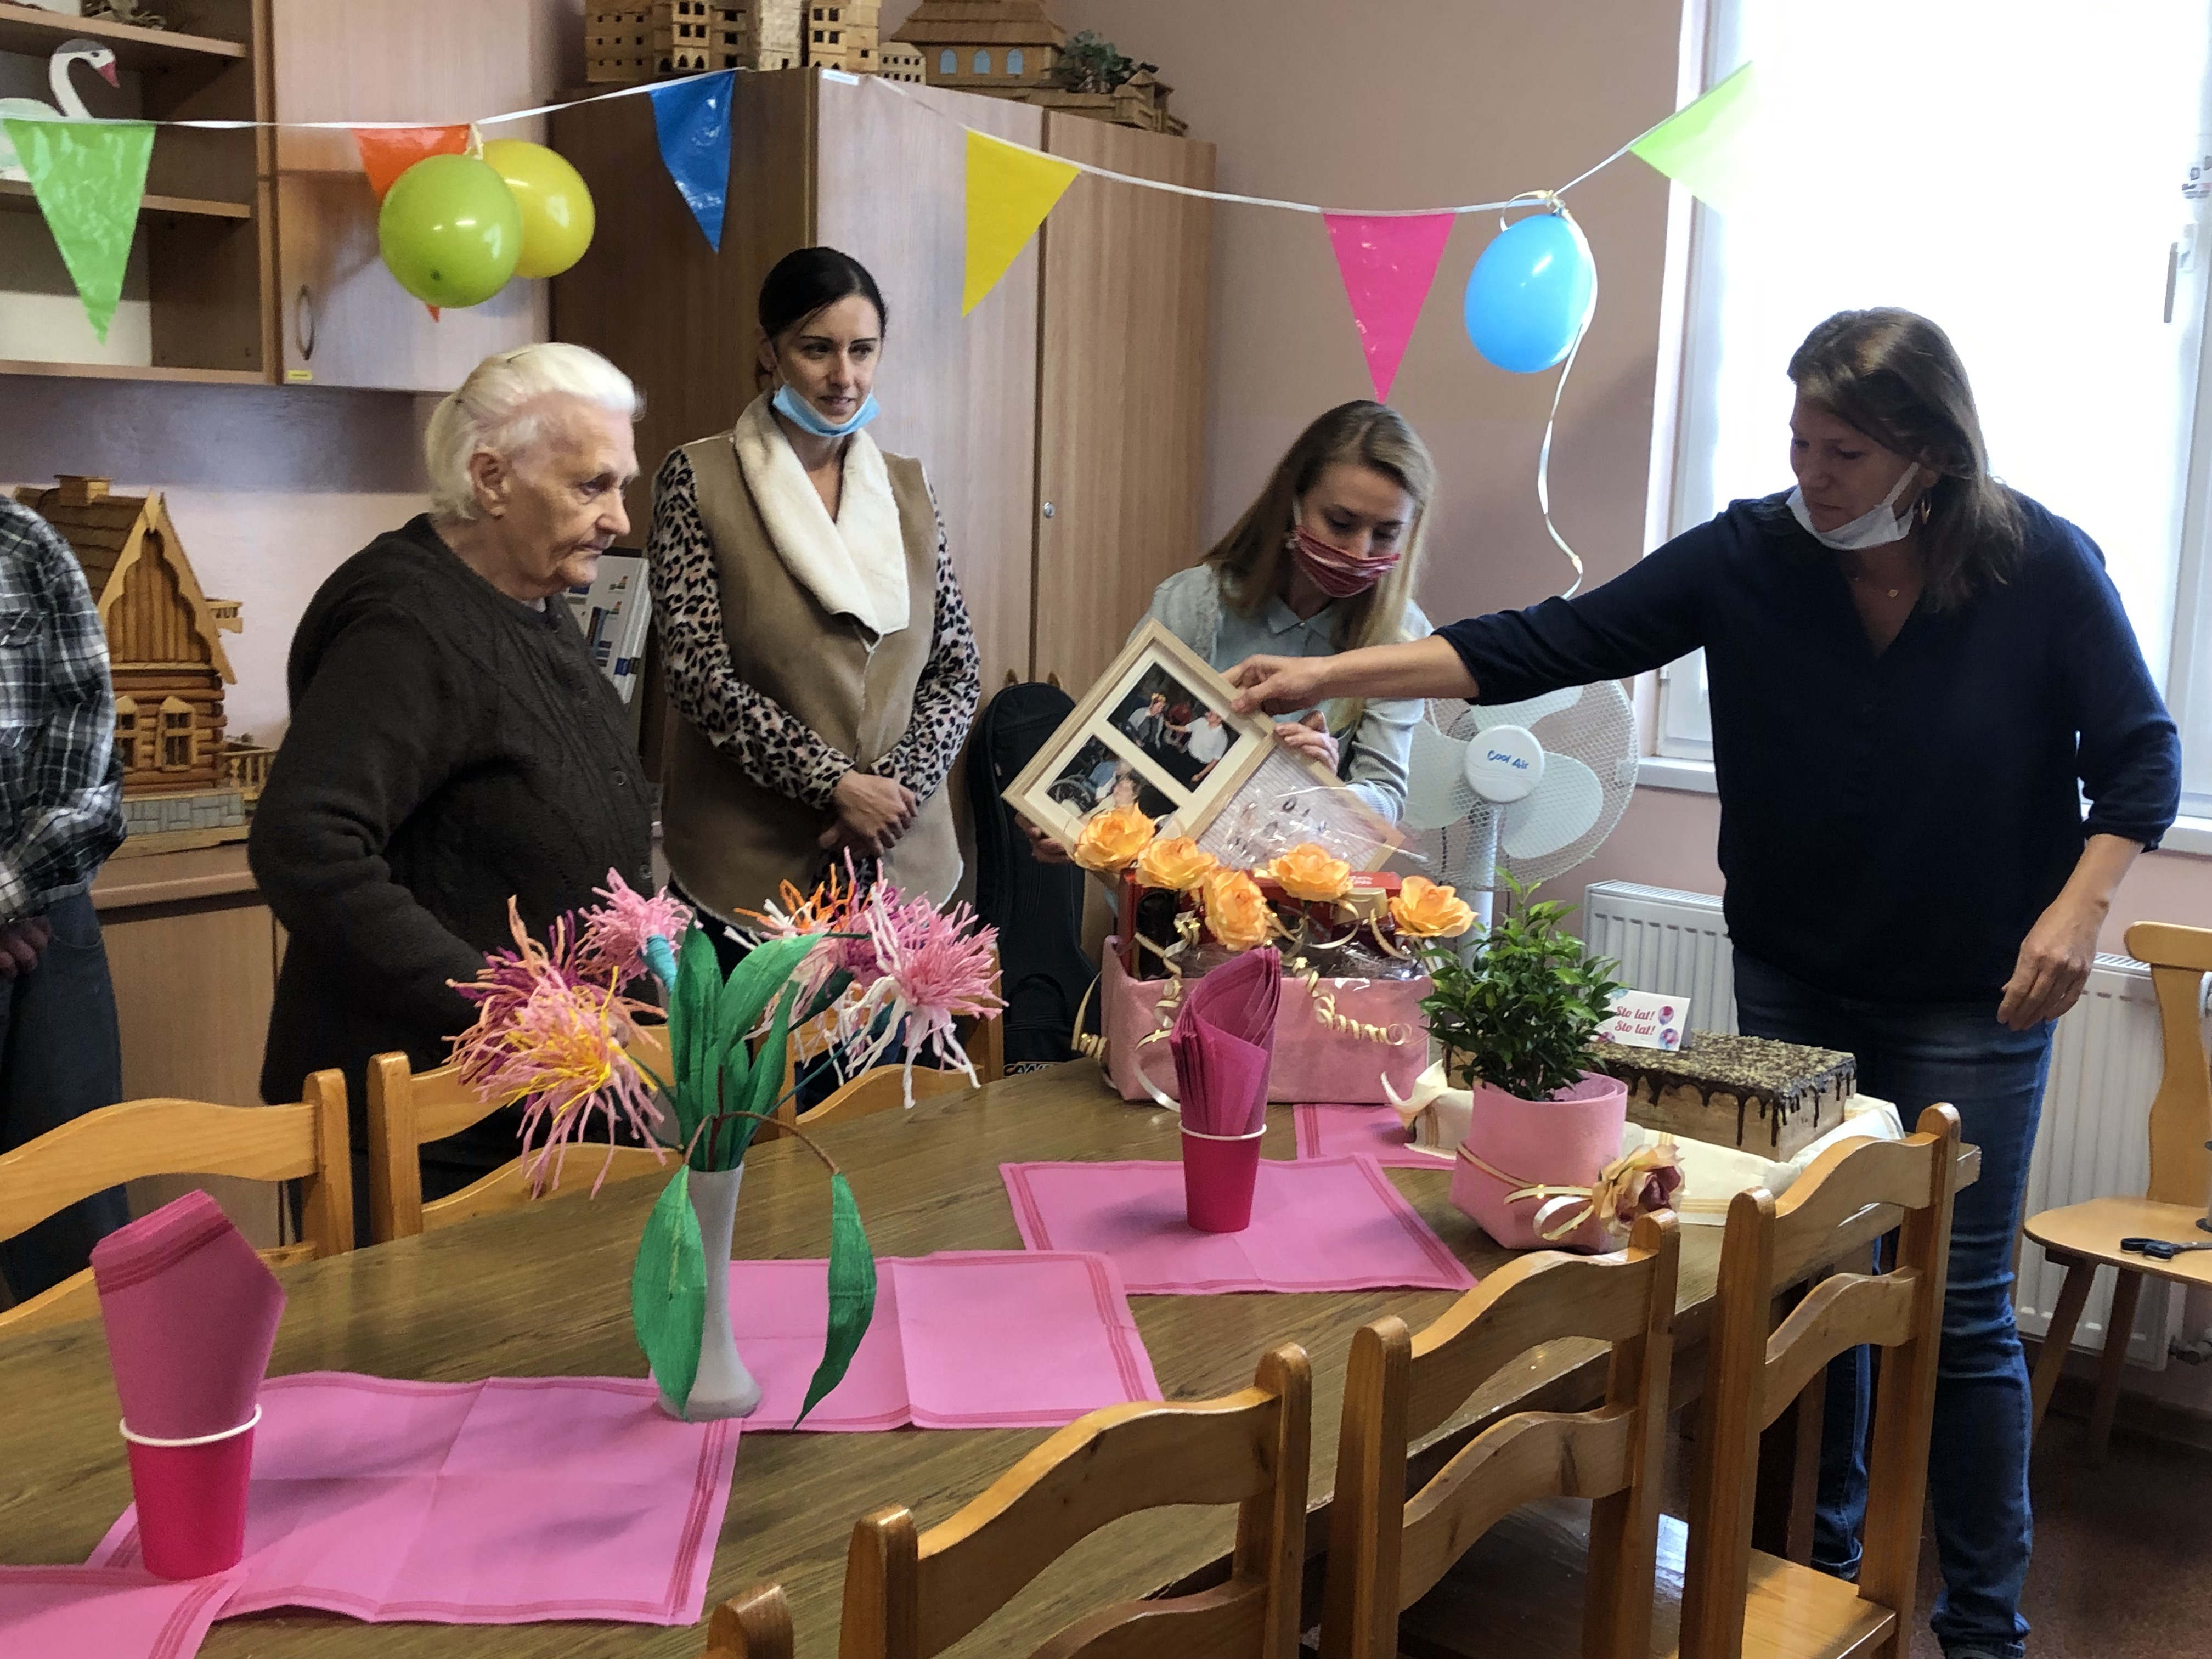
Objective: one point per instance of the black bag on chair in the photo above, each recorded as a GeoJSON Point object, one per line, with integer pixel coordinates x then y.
{"type": "Point", "coordinates": [1036, 908]}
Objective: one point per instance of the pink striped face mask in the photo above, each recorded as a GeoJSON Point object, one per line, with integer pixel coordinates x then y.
{"type": "Point", "coordinates": [1338, 574]}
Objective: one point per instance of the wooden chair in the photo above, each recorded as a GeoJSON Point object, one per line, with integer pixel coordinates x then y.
{"type": "Point", "coordinates": [754, 1625]}
{"type": "Point", "coordinates": [407, 1110]}
{"type": "Point", "coordinates": [1736, 1600]}
{"type": "Point", "coordinates": [306, 1140]}
{"type": "Point", "coordinates": [909, 1596]}
{"type": "Point", "coordinates": [1388, 1545]}
{"type": "Point", "coordinates": [2083, 1238]}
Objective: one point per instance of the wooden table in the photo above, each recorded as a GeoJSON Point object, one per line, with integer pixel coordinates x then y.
{"type": "Point", "coordinates": [545, 1291]}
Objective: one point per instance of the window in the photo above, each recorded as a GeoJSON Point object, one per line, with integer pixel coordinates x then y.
{"type": "Point", "coordinates": [176, 736]}
{"type": "Point", "coordinates": [982, 62]}
{"type": "Point", "coordinates": [948, 62]}
{"type": "Point", "coordinates": [1014, 61]}
{"type": "Point", "coordinates": [817, 37]}
{"type": "Point", "coordinates": [1938, 178]}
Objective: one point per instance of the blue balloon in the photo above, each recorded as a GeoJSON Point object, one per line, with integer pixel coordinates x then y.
{"type": "Point", "coordinates": [1532, 293]}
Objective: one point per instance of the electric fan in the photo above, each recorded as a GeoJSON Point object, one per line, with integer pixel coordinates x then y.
{"type": "Point", "coordinates": [1529, 788]}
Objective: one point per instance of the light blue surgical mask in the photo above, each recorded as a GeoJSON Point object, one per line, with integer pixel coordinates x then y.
{"type": "Point", "coordinates": [1877, 526]}
{"type": "Point", "coordinates": [807, 418]}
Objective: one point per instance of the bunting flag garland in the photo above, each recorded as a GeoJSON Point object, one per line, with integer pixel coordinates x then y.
{"type": "Point", "coordinates": [1701, 146]}
{"type": "Point", "coordinates": [1387, 261]}
{"type": "Point", "coordinates": [88, 177]}
{"type": "Point", "coordinates": [692, 121]}
{"type": "Point", "coordinates": [1010, 192]}
{"type": "Point", "coordinates": [387, 152]}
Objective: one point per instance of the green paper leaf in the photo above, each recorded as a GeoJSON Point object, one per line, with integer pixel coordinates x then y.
{"type": "Point", "coordinates": [758, 1094]}
{"type": "Point", "coordinates": [691, 1027]}
{"type": "Point", "coordinates": [826, 998]}
{"type": "Point", "coordinates": [753, 984]}
{"type": "Point", "coordinates": [852, 1293]}
{"type": "Point", "coordinates": [668, 1293]}
{"type": "Point", "coordinates": [88, 177]}
{"type": "Point", "coordinates": [1704, 146]}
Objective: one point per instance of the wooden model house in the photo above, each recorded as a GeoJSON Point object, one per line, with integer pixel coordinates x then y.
{"type": "Point", "coordinates": [1004, 47]}
{"type": "Point", "coordinates": [164, 641]}
{"type": "Point", "coordinates": [842, 34]}
{"type": "Point", "coordinates": [660, 39]}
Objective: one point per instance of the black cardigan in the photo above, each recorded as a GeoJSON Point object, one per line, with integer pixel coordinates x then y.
{"type": "Point", "coordinates": [449, 747]}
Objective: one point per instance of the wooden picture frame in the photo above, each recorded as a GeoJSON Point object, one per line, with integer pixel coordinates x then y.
{"type": "Point", "coordinates": [1146, 735]}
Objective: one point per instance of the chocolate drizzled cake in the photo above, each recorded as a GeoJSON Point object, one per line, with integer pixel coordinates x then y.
{"type": "Point", "coordinates": [1753, 1093]}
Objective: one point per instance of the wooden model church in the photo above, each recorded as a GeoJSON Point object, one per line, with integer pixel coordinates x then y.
{"type": "Point", "coordinates": [166, 655]}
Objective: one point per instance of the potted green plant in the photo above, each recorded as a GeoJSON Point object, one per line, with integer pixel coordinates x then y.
{"type": "Point", "coordinates": [1514, 1018]}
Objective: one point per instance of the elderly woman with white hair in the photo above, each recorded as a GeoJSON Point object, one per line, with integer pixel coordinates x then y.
{"type": "Point", "coordinates": [451, 743]}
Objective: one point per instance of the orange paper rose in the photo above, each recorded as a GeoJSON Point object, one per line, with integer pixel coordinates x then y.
{"type": "Point", "coordinates": [1307, 872]}
{"type": "Point", "coordinates": [1425, 909]}
{"type": "Point", "coordinates": [1111, 841]}
{"type": "Point", "coordinates": [1178, 864]}
{"type": "Point", "coordinates": [1235, 914]}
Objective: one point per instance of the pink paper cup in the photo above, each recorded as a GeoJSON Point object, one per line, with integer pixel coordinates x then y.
{"type": "Point", "coordinates": [1219, 1173]}
{"type": "Point", "coordinates": [191, 1499]}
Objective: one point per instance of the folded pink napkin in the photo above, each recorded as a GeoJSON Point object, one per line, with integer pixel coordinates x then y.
{"type": "Point", "coordinates": [962, 1340]}
{"type": "Point", "coordinates": [191, 1314]}
{"type": "Point", "coordinates": [1375, 1132]}
{"type": "Point", "coordinates": [1335, 1224]}
{"type": "Point", "coordinates": [106, 1613]}
{"type": "Point", "coordinates": [1223, 1042]}
{"type": "Point", "coordinates": [494, 1503]}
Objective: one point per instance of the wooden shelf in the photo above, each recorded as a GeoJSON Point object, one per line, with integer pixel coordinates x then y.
{"type": "Point", "coordinates": [20, 198]}
{"type": "Point", "coordinates": [28, 30]}
{"type": "Point", "coordinates": [136, 372]}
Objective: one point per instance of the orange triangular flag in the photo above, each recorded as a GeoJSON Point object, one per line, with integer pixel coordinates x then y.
{"type": "Point", "coordinates": [387, 152]}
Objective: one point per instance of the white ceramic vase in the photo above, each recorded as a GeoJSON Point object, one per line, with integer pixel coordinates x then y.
{"type": "Point", "coordinates": [723, 1388]}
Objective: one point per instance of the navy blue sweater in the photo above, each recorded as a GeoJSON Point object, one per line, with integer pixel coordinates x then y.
{"type": "Point", "coordinates": [1892, 825]}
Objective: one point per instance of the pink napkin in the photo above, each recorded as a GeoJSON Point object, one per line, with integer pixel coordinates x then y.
{"type": "Point", "coordinates": [191, 1314]}
{"type": "Point", "coordinates": [1375, 1132]}
{"type": "Point", "coordinates": [1332, 1223]}
{"type": "Point", "coordinates": [106, 1613]}
{"type": "Point", "coordinates": [1223, 1040]}
{"type": "Point", "coordinates": [963, 1339]}
{"type": "Point", "coordinates": [491, 1503]}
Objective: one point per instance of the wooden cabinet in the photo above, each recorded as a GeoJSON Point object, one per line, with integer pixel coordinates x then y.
{"type": "Point", "coordinates": [1077, 381]}
{"type": "Point", "coordinates": [341, 319]}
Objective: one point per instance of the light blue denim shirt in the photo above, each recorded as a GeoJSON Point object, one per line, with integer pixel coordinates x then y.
{"type": "Point", "coordinates": [1374, 754]}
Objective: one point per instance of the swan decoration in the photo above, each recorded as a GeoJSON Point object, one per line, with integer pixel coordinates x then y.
{"type": "Point", "coordinates": [66, 106]}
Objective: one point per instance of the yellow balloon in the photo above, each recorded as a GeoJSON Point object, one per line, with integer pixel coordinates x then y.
{"type": "Point", "coordinates": [557, 217]}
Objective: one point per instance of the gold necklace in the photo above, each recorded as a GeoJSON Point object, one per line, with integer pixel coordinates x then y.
{"type": "Point", "coordinates": [1892, 593]}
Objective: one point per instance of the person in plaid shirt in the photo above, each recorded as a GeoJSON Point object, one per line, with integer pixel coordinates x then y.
{"type": "Point", "coordinates": [61, 815]}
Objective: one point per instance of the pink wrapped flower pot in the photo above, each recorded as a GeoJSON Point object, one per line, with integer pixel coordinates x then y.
{"type": "Point", "coordinates": [1515, 1146]}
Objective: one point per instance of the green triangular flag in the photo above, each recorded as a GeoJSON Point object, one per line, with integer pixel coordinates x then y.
{"type": "Point", "coordinates": [88, 177]}
{"type": "Point", "coordinates": [1702, 148]}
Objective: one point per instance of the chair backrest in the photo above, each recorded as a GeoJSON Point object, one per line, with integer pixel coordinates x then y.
{"type": "Point", "coordinates": [883, 1088]}
{"type": "Point", "coordinates": [407, 1110]}
{"type": "Point", "coordinates": [909, 1596]}
{"type": "Point", "coordinates": [2181, 1115]}
{"type": "Point", "coordinates": [1755, 1369]}
{"type": "Point", "coordinates": [754, 1625]}
{"type": "Point", "coordinates": [1388, 1545]}
{"type": "Point", "coordinates": [305, 1141]}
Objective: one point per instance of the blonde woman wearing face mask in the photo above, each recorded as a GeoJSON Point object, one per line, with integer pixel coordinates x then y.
{"type": "Point", "coordinates": [1325, 560]}
{"type": "Point", "coordinates": [818, 647]}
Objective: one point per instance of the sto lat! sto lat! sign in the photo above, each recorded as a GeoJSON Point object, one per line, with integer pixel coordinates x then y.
{"type": "Point", "coordinates": [1644, 1020]}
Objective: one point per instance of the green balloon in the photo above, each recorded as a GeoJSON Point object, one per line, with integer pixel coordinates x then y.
{"type": "Point", "coordinates": [451, 231]}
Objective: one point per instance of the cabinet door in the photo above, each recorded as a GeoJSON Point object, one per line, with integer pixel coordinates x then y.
{"type": "Point", "coordinates": [343, 320]}
{"type": "Point", "coordinates": [1120, 404]}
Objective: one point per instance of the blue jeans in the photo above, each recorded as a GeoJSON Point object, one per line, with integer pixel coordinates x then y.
{"type": "Point", "coordinates": [60, 1058]}
{"type": "Point", "coordinates": [1918, 1055]}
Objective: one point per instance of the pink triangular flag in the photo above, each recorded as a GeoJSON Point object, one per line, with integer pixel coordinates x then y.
{"type": "Point", "coordinates": [1388, 261]}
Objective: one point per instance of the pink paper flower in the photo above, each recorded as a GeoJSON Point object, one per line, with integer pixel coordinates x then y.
{"type": "Point", "coordinates": [614, 935]}
{"type": "Point", "coordinates": [938, 967]}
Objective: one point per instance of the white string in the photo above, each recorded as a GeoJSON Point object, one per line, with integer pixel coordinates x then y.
{"type": "Point", "coordinates": [1544, 467]}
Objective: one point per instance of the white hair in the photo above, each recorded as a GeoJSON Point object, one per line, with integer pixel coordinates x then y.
{"type": "Point", "coordinates": [501, 409]}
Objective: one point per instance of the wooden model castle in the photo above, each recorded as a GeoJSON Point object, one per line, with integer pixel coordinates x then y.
{"type": "Point", "coordinates": [165, 657]}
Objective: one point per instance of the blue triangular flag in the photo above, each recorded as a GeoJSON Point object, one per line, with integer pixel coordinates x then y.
{"type": "Point", "coordinates": [692, 119]}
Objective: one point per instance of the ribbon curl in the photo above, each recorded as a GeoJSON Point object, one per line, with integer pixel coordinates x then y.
{"type": "Point", "coordinates": [1625, 1189]}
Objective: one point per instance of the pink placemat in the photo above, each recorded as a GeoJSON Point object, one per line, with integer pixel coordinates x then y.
{"type": "Point", "coordinates": [106, 1613]}
{"type": "Point", "coordinates": [1362, 1131]}
{"type": "Point", "coordinates": [1332, 1223]}
{"type": "Point", "coordinates": [491, 1503]}
{"type": "Point", "coordinates": [963, 1339]}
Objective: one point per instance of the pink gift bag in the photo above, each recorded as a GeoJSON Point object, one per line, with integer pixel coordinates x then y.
{"type": "Point", "coordinates": [1315, 1059]}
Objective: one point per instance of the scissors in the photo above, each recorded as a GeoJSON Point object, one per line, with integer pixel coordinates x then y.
{"type": "Point", "coordinates": [2159, 1250]}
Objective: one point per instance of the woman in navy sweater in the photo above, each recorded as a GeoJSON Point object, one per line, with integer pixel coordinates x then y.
{"type": "Point", "coordinates": [1917, 676]}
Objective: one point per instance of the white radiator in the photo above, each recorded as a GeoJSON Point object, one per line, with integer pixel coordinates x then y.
{"type": "Point", "coordinates": [2093, 1139]}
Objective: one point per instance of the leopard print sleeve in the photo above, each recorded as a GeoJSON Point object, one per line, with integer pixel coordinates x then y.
{"type": "Point", "coordinates": [773, 747]}
{"type": "Point", "coordinates": [951, 686]}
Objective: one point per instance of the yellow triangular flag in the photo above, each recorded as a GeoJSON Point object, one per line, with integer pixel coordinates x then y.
{"type": "Point", "coordinates": [1010, 191]}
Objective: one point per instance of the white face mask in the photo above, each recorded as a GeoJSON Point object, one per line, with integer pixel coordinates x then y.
{"type": "Point", "coordinates": [1876, 527]}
